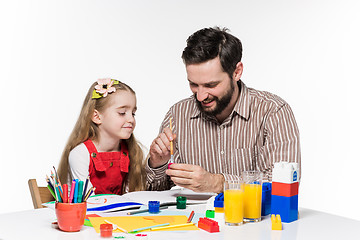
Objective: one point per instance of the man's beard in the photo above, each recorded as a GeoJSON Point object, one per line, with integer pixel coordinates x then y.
{"type": "Point", "coordinates": [221, 103]}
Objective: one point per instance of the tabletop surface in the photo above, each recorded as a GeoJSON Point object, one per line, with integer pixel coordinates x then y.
{"type": "Point", "coordinates": [36, 224]}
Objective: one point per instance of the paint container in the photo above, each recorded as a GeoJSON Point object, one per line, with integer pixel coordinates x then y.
{"type": "Point", "coordinates": [180, 202]}
{"type": "Point", "coordinates": [154, 206]}
{"type": "Point", "coordinates": [106, 230]}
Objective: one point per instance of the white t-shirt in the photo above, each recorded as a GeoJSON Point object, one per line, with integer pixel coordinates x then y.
{"type": "Point", "coordinates": [79, 161]}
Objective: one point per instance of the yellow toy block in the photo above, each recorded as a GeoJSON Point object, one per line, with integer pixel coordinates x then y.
{"type": "Point", "coordinates": [219, 210]}
{"type": "Point", "coordinates": [276, 222]}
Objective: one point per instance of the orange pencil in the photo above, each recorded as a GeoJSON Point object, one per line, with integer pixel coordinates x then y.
{"type": "Point", "coordinates": [191, 217]}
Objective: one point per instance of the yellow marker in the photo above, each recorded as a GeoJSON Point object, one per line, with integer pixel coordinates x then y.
{"type": "Point", "coordinates": [276, 222]}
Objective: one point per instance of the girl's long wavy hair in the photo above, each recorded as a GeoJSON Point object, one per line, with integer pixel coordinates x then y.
{"type": "Point", "coordinates": [86, 129]}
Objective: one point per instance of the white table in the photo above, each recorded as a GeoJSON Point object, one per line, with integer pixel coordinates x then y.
{"type": "Point", "coordinates": [36, 224]}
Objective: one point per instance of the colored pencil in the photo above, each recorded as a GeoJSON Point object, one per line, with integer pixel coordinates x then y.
{"type": "Point", "coordinates": [91, 190]}
{"type": "Point", "coordinates": [61, 194]}
{"type": "Point", "coordinates": [57, 176]}
{"type": "Point", "coordinates": [88, 193]}
{"type": "Point", "coordinates": [85, 188]}
{"type": "Point", "coordinates": [58, 193]}
{"type": "Point", "coordinates": [52, 177]}
{"type": "Point", "coordinates": [171, 226]}
{"type": "Point", "coordinates": [58, 180]}
{"type": "Point", "coordinates": [171, 145]}
{"type": "Point", "coordinates": [49, 182]}
{"type": "Point", "coordinates": [52, 192]}
{"type": "Point", "coordinates": [191, 217]}
{"type": "Point", "coordinates": [55, 181]}
{"type": "Point", "coordinates": [150, 227]}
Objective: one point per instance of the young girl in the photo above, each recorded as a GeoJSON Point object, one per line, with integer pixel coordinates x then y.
{"type": "Point", "coordinates": [102, 144]}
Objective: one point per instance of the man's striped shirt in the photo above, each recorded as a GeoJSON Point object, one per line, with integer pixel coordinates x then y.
{"type": "Point", "coordinates": [260, 131]}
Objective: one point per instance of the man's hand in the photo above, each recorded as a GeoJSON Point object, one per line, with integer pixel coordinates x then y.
{"type": "Point", "coordinates": [195, 178]}
{"type": "Point", "coordinates": [160, 148]}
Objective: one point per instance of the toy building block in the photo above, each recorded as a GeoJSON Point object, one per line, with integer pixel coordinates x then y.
{"type": "Point", "coordinates": [208, 224]}
{"type": "Point", "coordinates": [210, 213]}
{"type": "Point", "coordinates": [266, 199]}
{"type": "Point", "coordinates": [285, 185]}
{"type": "Point", "coordinates": [285, 189]}
{"type": "Point", "coordinates": [219, 203]}
{"type": "Point", "coordinates": [285, 172]}
{"type": "Point", "coordinates": [286, 207]}
{"type": "Point", "coordinates": [276, 222]}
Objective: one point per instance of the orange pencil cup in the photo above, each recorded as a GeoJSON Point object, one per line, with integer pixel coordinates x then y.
{"type": "Point", "coordinates": [70, 216]}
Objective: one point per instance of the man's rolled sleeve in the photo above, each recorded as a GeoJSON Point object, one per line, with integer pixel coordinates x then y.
{"type": "Point", "coordinates": [156, 178]}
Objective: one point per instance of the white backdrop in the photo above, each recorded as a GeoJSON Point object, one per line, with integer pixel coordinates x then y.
{"type": "Point", "coordinates": [306, 51]}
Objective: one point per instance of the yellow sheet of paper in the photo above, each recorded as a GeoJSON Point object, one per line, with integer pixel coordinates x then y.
{"type": "Point", "coordinates": [132, 222]}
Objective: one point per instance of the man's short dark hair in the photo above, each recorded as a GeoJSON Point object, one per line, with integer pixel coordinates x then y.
{"type": "Point", "coordinates": [208, 43]}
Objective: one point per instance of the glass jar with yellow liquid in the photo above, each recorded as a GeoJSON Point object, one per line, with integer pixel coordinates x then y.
{"type": "Point", "coordinates": [252, 195]}
{"type": "Point", "coordinates": [233, 202]}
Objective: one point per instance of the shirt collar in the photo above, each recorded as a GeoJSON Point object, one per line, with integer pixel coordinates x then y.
{"type": "Point", "coordinates": [242, 105]}
{"type": "Point", "coordinates": [196, 111]}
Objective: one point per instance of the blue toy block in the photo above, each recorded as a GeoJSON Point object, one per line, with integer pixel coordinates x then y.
{"type": "Point", "coordinates": [266, 199]}
{"type": "Point", "coordinates": [219, 201]}
{"type": "Point", "coordinates": [287, 207]}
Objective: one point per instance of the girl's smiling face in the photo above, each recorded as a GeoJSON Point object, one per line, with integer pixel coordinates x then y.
{"type": "Point", "coordinates": [117, 121]}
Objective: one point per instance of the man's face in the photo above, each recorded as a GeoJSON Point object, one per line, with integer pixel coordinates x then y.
{"type": "Point", "coordinates": [212, 87]}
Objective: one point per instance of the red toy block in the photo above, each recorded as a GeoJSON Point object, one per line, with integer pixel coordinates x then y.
{"type": "Point", "coordinates": [208, 225]}
{"type": "Point", "coordinates": [285, 189]}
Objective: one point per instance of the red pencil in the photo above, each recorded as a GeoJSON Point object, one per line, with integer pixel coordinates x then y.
{"type": "Point", "coordinates": [191, 216]}
{"type": "Point", "coordinates": [65, 193]}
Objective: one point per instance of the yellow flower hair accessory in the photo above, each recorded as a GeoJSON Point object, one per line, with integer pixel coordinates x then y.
{"type": "Point", "coordinates": [104, 86]}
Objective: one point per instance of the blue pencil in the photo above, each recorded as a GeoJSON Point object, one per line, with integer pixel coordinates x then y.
{"type": "Point", "coordinates": [85, 188]}
{"type": "Point", "coordinates": [145, 228]}
{"type": "Point", "coordinates": [76, 190]}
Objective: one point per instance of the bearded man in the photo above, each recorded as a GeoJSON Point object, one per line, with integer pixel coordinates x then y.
{"type": "Point", "coordinates": [225, 127]}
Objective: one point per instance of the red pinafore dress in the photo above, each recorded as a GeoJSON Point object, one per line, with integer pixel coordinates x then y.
{"type": "Point", "coordinates": [107, 170]}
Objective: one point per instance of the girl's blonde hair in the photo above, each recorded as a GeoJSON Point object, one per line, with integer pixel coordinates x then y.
{"type": "Point", "coordinates": [86, 129]}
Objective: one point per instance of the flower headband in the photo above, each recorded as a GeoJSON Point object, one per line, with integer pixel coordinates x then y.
{"type": "Point", "coordinates": [104, 86]}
